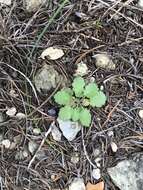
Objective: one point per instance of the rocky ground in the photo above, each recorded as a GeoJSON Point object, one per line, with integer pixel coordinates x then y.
{"type": "Point", "coordinates": [43, 45]}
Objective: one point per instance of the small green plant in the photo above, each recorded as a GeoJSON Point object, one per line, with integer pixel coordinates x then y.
{"type": "Point", "coordinates": [77, 100]}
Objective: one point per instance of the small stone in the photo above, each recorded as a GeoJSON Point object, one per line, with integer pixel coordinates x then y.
{"type": "Point", "coordinates": [140, 3]}
{"type": "Point", "coordinates": [75, 158]}
{"type": "Point", "coordinates": [114, 147]}
{"type": "Point", "coordinates": [52, 53]}
{"type": "Point", "coordinates": [110, 133]}
{"type": "Point", "coordinates": [11, 111]}
{"type": "Point", "coordinates": [141, 114]}
{"type": "Point", "coordinates": [96, 174]}
{"type": "Point", "coordinates": [20, 116]}
{"type": "Point", "coordinates": [56, 134]}
{"type": "Point", "coordinates": [25, 153]}
{"type": "Point", "coordinates": [33, 5]}
{"type": "Point", "coordinates": [82, 69]}
{"type": "Point", "coordinates": [128, 174]}
{"type": "Point", "coordinates": [5, 2]}
{"type": "Point", "coordinates": [77, 184]}
{"type": "Point", "coordinates": [32, 146]}
{"type": "Point", "coordinates": [6, 143]}
{"type": "Point", "coordinates": [52, 112]}
{"type": "Point", "coordinates": [96, 152]}
{"type": "Point", "coordinates": [47, 78]}
{"type": "Point", "coordinates": [69, 129]}
{"type": "Point", "coordinates": [36, 131]}
{"type": "Point", "coordinates": [104, 61]}
{"type": "Point", "coordinates": [41, 155]}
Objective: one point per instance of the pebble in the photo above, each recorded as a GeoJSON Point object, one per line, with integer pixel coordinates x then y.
{"type": "Point", "coordinates": [20, 116]}
{"type": "Point", "coordinates": [32, 146]}
{"type": "Point", "coordinates": [77, 184]}
{"type": "Point", "coordinates": [75, 158]}
{"type": "Point", "coordinates": [52, 53]}
{"type": "Point", "coordinates": [52, 112]}
{"type": "Point", "coordinates": [5, 2]}
{"type": "Point", "coordinates": [36, 131]}
{"type": "Point", "coordinates": [6, 143]}
{"type": "Point", "coordinates": [69, 129]}
{"type": "Point", "coordinates": [40, 155]}
{"type": "Point", "coordinates": [82, 69]}
{"type": "Point", "coordinates": [11, 111]}
{"type": "Point", "coordinates": [33, 5]}
{"type": "Point", "coordinates": [104, 61]}
{"type": "Point", "coordinates": [56, 134]}
{"type": "Point", "coordinates": [141, 114]}
{"type": "Point", "coordinates": [114, 147]}
{"type": "Point", "coordinates": [96, 173]}
{"type": "Point", "coordinates": [140, 3]}
{"type": "Point", "coordinates": [110, 133]}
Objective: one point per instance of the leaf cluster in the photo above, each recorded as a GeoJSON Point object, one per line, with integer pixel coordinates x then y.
{"type": "Point", "coordinates": [76, 100]}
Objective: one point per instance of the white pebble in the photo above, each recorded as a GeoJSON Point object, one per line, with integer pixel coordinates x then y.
{"type": "Point", "coordinates": [96, 174]}
{"type": "Point", "coordinates": [141, 114]}
{"type": "Point", "coordinates": [36, 131]}
{"type": "Point", "coordinates": [110, 133]}
{"type": "Point", "coordinates": [32, 146]}
{"type": "Point", "coordinates": [11, 111]}
{"type": "Point", "coordinates": [52, 53]}
{"type": "Point", "coordinates": [82, 69]}
{"type": "Point", "coordinates": [6, 2]}
{"type": "Point", "coordinates": [77, 184]}
{"type": "Point", "coordinates": [6, 143]}
{"type": "Point", "coordinates": [140, 3]}
{"type": "Point", "coordinates": [20, 116]}
{"type": "Point", "coordinates": [114, 147]}
{"type": "Point", "coordinates": [75, 158]}
{"type": "Point", "coordinates": [56, 134]}
{"type": "Point", "coordinates": [104, 61]}
{"type": "Point", "coordinates": [25, 153]}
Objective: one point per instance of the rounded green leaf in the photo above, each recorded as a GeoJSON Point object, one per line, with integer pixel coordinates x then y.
{"type": "Point", "coordinates": [76, 114]}
{"type": "Point", "coordinates": [65, 113]}
{"type": "Point", "coordinates": [91, 90]}
{"type": "Point", "coordinates": [85, 117]}
{"type": "Point", "coordinates": [78, 86]}
{"type": "Point", "coordinates": [98, 100]}
{"type": "Point", "coordinates": [62, 97]}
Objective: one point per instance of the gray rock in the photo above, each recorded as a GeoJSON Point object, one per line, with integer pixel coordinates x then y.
{"type": "Point", "coordinates": [5, 2]}
{"type": "Point", "coordinates": [77, 184]}
{"type": "Point", "coordinates": [47, 78]}
{"type": "Point", "coordinates": [32, 146]}
{"type": "Point", "coordinates": [69, 129]}
{"type": "Point", "coordinates": [56, 134]}
{"type": "Point", "coordinates": [128, 174]}
{"type": "Point", "coordinates": [33, 5]}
